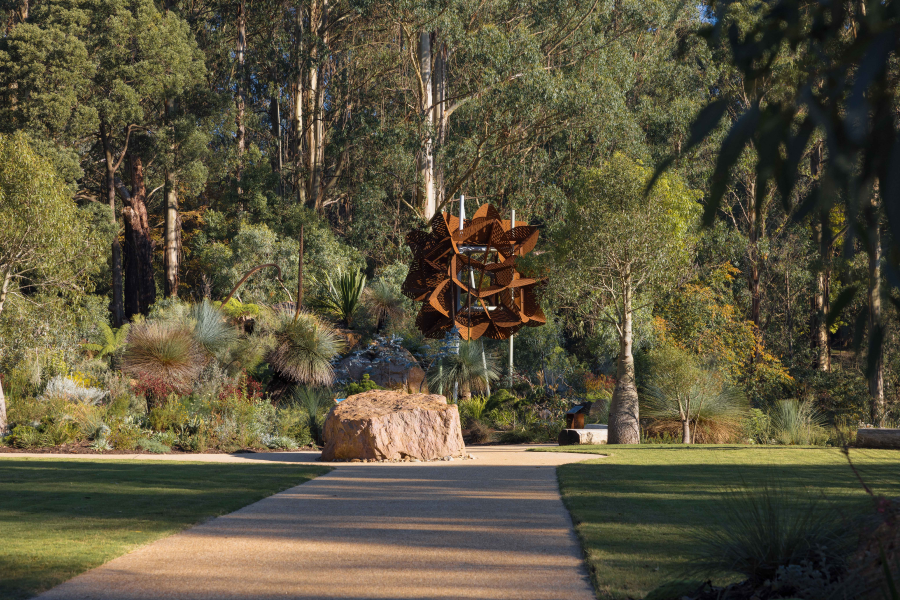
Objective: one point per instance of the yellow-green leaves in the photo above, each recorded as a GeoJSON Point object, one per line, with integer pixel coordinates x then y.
{"type": "Point", "coordinates": [45, 240]}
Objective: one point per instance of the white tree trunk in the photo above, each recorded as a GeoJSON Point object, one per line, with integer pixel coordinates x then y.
{"type": "Point", "coordinates": [624, 415]}
{"type": "Point", "coordinates": [876, 381]}
{"type": "Point", "coordinates": [173, 237]}
{"type": "Point", "coordinates": [426, 152]}
{"type": "Point", "coordinates": [240, 50]}
{"type": "Point", "coordinates": [3, 424]}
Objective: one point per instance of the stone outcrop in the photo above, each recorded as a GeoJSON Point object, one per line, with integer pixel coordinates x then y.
{"type": "Point", "coordinates": [878, 438]}
{"type": "Point", "coordinates": [387, 363]}
{"type": "Point", "coordinates": [386, 425]}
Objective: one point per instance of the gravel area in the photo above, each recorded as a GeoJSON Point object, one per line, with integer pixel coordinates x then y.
{"type": "Point", "coordinates": [491, 527]}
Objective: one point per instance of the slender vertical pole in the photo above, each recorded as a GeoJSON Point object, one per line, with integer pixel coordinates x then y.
{"type": "Point", "coordinates": [512, 224]}
{"type": "Point", "coordinates": [299, 278]}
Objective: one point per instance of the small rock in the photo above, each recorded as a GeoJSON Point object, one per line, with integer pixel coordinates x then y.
{"type": "Point", "coordinates": [355, 460]}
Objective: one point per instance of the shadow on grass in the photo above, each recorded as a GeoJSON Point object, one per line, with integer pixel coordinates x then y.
{"type": "Point", "coordinates": [62, 517]}
{"type": "Point", "coordinates": [636, 510]}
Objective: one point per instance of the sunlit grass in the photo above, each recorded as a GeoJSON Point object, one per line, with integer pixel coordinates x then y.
{"type": "Point", "coordinates": [61, 518]}
{"type": "Point", "coordinates": [634, 508]}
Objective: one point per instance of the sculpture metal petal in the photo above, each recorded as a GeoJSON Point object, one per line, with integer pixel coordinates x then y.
{"type": "Point", "coordinates": [466, 276]}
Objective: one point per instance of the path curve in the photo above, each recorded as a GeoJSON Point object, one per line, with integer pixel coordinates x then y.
{"type": "Point", "coordinates": [493, 527]}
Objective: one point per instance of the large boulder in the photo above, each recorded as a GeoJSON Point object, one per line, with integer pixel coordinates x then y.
{"type": "Point", "coordinates": [386, 425]}
{"type": "Point", "coordinates": [387, 363]}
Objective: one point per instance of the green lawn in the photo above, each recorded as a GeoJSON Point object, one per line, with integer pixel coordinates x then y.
{"type": "Point", "coordinates": [632, 508]}
{"type": "Point", "coordinates": [59, 518]}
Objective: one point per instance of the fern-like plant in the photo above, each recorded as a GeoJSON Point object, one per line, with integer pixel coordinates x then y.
{"type": "Point", "coordinates": [109, 341]}
{"type": "Point", "coordinates": [343, 295]}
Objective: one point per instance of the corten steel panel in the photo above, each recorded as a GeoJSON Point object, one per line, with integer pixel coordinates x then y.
{"type": "Point", "coordinates": [500, 303]}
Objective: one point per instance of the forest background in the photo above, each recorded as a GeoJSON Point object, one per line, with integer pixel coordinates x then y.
{"type": "Point", "coordinates": [194, 140]}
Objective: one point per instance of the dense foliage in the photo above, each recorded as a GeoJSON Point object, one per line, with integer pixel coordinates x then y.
{"type": "Point", "coordinates": [712, 180]}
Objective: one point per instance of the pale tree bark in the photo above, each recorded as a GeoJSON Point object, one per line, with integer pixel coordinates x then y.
{"type": "Point", "coordinates": [823, 276]}
{"type": "Point", "coordinates": [112, 165]}
{"type": "Point", "coordinates": [315, 106]}
{"type": "Point", "coordinates": [755, 231]}
{"type": "Point", "coordinates": [685, 430]}
{"type": "Point", "coordinates": [4, 291]}
{"type": "Point", "coordinates": [426, 192]}
{"type": "Point", "coordinates": [172, 247]}
{"type": "Point", "coordinates": [876, 379]}
{"type": "Point", "coordinates": [3, 423]}
{"type": "Point", "coordinates": [624, 414]}
{"type": "Point", "coordinates": [240, 103]}
{"type": "Point", "coordinates": [298, 97]}
{"type": "Point", "coordinates": [276, 157]}
{"type": "Point", "coordinates": [172, 250]}
{"type": "Point", "coordinates": [439, 119]}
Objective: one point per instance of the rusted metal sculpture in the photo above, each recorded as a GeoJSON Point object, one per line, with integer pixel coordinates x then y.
{"type": "Point", "coordinates": [465, 276]}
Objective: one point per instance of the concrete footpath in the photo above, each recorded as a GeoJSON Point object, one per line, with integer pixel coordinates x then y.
{"type": "Point", "coordinates": [493, 527]}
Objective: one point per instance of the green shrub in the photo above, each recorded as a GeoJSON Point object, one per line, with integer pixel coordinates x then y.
{"type": "Point", "coordinates": [23, 437]}
{"type": "Point", "coordinates": [479, 433]}
{"type": "Point", "coordinates": [472, 409]}
{"type": "Point", "coordinates": [758, 427]}
{"type": "Point", "coordinates": [521, 435]}
{"type": "Point", "coordinates": [292, 422]}
{"type": "Point", "coordinates": [364, 385]}
{"type": "Point", "coordinates": [797, 423]}
{"type": "Point", "coordinates": [153, 445]}
{"type": "Point", "coordinates": [125, 435]}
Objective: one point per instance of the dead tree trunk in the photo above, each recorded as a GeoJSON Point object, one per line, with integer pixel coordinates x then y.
{"type": "Point", "coordinates": [140, 287]}
{"type": "Point", "coordinates": [116, 308]}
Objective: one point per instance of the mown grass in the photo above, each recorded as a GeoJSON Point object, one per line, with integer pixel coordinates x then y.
{"type": "Point", "coordinates": [634, 508]}
{"type": "Point", "coordinates": [59, 518]}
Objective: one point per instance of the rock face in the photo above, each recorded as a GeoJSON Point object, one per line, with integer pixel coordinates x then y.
{"type": "Point", "coordinates": [387, 363]}
{"type": "Point", "coordinates": [385, 425]}
{"type": "Point", "coordinates": [878, 438]}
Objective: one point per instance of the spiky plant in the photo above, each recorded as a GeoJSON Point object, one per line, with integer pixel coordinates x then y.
{"type": "Point", "coordinates": [343, 295]}
{"type": "Point", "coordinates": [467, 370]}
{"type": "Point", "coordinates": [758, 530]}
{"type": "Point", "coordinates": [211, 329]}
{"type": "Point", "coordinates": [796, 423]}
{"type": "Point", "coordinates": [163, 351]}
{"type": "Point", "coordinates": [316, 403]}
{"type": "Point", "coordinates": [383, 302]}
{"type": "Point", "coordinates": [304, 348]}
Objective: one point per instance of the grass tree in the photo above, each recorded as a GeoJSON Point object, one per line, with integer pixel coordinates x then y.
{"type": "Point", "coordinates": [304, 348]}
{"type": "Point", "coordinates": [468, 370]}
{"type": "Point", "coordinates": [618, 248]}
{"type": "Point", "coordinates": [684, 394]}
